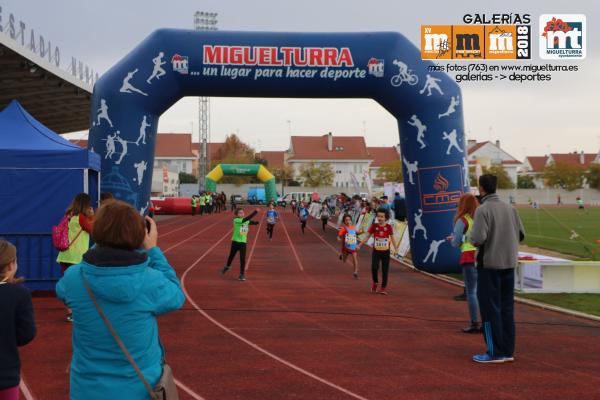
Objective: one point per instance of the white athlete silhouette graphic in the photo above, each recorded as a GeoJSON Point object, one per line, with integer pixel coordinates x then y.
{"type": "Point", "coordinates": [123, 151]}
{"type": "Point", "coordinates": [140, 167]}
{"type": "Point", "coordinates": [110, 145]}
{"type": "Point", "coordinates": [451, 137]}
{"type": "Point", "coordinates": [142, 136]}
{"type": "Point", "coordinates": [421, 128]}
{"type": "Point", "coordinates": [467, 181]}
{"type": "Point", "coordinates": [455, 101]}
{"type": "Point", "coordinates": [128, 87]}
{"type": "Point", "coordinates": [410, 168]}
{"type": "Point", "coordinates": [158, 69]}
{"type": "Point", "coordinates": [433, 250]}
{"type": "Point", "coordinates": [103, 113]}
{"type": "Point", "coordinates": [419, 225]}
{"type": "Point", "coordinates": [431, 83]}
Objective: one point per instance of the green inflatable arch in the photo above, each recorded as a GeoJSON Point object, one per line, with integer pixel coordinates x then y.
{"type": "Point", "coordinates": [257, 170]}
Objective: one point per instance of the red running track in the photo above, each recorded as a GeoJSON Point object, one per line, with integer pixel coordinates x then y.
{"type": "Point", "coordinates": [301, 327]}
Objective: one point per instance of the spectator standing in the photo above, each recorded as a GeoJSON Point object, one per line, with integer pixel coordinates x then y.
{"type": "Point", "coordinates": [497, 231]}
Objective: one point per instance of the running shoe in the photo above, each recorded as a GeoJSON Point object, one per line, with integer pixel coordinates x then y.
{"type": "Point", "coordinates": [374, 288]}
{"type": "Point", "coordinates": [508, 359]}
{"type": "Point", "coordinates": [69, 317]}
{"type": "Point", "coordinates": [242, 277]}
{"type": "Point", "coordinates": [487, 359]}
{"type": "Point", "coordinates": [475, 327]}
{"type": "Point", "coordinates": [383, 291]}
{"type": "Point", "coordinates": [355, 275]}
{"type": "Point", "coordinates": [461, 297]}
{"type": "Point", "coordinates": [225, 269]}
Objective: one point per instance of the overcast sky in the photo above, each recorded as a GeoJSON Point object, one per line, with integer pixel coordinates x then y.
{"type": "Point", "coordinates": [528, 119]}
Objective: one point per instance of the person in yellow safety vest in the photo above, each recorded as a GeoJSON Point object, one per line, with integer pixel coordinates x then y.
{"type": "Point", "coordinates": [194, 204]}
{"type": "Point", "coordinates": [209, 203]}
{"type": "Point", "coordinates": [202, 203]}
{"type": "Point", "coordinates": [461, 237]}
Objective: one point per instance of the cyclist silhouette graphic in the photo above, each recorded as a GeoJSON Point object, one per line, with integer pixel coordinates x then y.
{"type": "Point", "coordinates": [404, 75]}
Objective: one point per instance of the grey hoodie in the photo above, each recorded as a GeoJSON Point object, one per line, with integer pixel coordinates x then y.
{"type": "Point", "coordinates": [497, 231]}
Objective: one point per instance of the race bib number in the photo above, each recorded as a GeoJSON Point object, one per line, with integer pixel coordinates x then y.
{"type": "Point", "coordinates": [271, 220]}
{"type": "Point", "coordinates": [351, 239]}
{"type": "Point", "coordinates": [382, 244]}
{"type": "Point", "coordinates": [244, 230]}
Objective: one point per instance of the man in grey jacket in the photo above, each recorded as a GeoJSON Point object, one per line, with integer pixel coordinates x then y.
{"type": "Point", "coordinates": [497, 231]}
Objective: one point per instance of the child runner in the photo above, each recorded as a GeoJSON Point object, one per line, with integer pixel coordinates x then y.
{"type": "Point", "coordinates": [17, 327]}
{"type": "Point", "coordinates": [239, 239]}
{"type": "Point", "coordinates": [303, 215]}
{"type": "Point", "coordinates": [324, 214]}
{"type": "Point", "coordinates": [293, 204]}
{"type": "Point", "coordinates": [272, 217]}
{"type": "Point", "coordinates": [348, 236]}
{"type": "Point", "coordinates": [384, 239]}
{"type": "Point", "coordinates": [461, 237]}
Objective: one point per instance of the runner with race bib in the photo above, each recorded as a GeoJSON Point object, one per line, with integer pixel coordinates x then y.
{"type": "Point", "coordinates": [383, 235]}
{"type": "Point", "coordinates": [241, 227]}
{"type": "Point", "coordinates": [303, 215]}
{"type": "Point", "coordinates": [349, 238]}
{"type": "Point", "coordinates": [272, 217]}
{"type": "Point", "coordinates": [324, 214]}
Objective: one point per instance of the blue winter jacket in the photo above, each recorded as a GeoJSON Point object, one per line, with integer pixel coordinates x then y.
{"type": "Point", "coordinates": [133, 288]}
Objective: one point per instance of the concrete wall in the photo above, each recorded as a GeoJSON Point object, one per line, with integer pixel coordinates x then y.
{"type": "Point", "coordinates": [549, 196]}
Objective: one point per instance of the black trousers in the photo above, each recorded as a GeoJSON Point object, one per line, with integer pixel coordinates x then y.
{"type": "Point", "coordinates": [235, 247]}
{"type": "Point", "coordinates": [324, 222]}
{"type": "Point", "coordinates": [193, 210]}
{"type": "Point", "coordinates": [303, 225]}
{"type": "Point", "coordinates": [383, 258]}
{"type": "Point", "coordinates": [270, 228]}
{"type": "Point", "coordinates": [495, 292]}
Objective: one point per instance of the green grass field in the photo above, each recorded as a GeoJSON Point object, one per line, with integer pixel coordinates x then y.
{"type": "Point", "coordinates": [584, 302]}
{"type": "Point", "coordinates": [550, 228]}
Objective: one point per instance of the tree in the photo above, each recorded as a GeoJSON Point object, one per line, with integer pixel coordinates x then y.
{"type": "Point", "coordinates": [593, 176]}
{"type": "Point", "coordinates": [316, 176]}
{"type": "Point", "coordinates": [564, 176]}
{"type": "Point", "coordinates": [504, 181]}
{"type": "Point", "coordinates": [391, 172]}
{"type": "Point", "coordinates": [187, 178]}
{"type": "Point", "coordinates": [284, 174]}
{"type": "Point", "coordinates": [234, 151]}
{"type": "Point", "coordinates": [525, 182]}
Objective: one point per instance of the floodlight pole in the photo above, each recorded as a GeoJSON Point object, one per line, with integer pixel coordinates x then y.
{"type": "Point", "coordinates": [206, 21]}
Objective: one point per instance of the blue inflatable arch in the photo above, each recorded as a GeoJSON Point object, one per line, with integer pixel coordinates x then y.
{"type": "Point", "coordinates": [170, 64]}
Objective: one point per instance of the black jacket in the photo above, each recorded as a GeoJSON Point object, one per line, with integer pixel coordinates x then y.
{"type": "Point", "coordinates": [17, 328]}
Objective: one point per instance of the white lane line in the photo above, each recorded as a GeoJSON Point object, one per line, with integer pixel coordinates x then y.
{"type": "Point", "coordinates": [188, 390]}
{"type": "Point", "coordinates": [252, 344]}
{"type": "Point", "coordinates": [25, 390]}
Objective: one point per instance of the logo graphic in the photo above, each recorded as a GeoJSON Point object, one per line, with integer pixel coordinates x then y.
{"type": "Point", "coordinates": [468, 41]}
{"type": "Point", "coordinates": [440, 188]}
{"type": "Point", "coordinates": [562, 36]}
{"type": "Point", "coordinates": [180, 64]}
{"type": "Point", "coordinates": [475, 42]}
{"type": "Point", "coordinates": [376, 67]}
{"type": "Point", "coordinates": [436, 42]}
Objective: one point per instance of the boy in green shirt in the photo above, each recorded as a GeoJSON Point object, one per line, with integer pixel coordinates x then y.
{"type": "Point", "coordinates": [202, 202]}
{"type": "Point", "coordinates": [239, 239]}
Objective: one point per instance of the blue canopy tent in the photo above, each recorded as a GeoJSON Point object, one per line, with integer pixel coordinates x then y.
{"type": "Point", "coordinates": [40, 173]}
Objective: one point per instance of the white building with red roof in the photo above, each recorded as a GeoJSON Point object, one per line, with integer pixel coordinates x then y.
{"type": "Point", "coordinates": [534, 166]}
{"type": "Point", "coordinates": [488, 153]}
{"type": "Point", "coordinates": [348, 155]}
{"type": "Point", "coordinates": [382, 156]}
